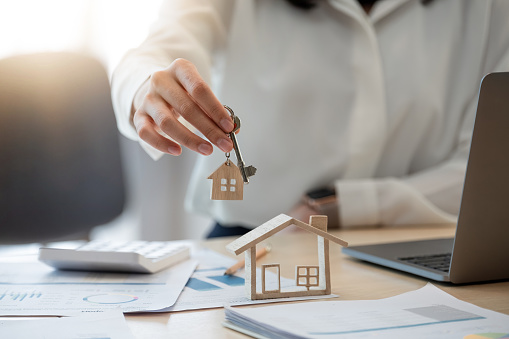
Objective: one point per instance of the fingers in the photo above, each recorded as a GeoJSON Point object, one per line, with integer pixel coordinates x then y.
{"type": "Point", "coordinates": [187, 75]}
{"type": "Point", "coordinates": [191, 112]}
{"type": "Point", "coordinates": [187, 93]}
{"type": "Point", "coordinates": [179, 91]}
{"type": "Point", "coordinates": [155, 115]}
{"type": "Point", "coordinates": [147, 131]}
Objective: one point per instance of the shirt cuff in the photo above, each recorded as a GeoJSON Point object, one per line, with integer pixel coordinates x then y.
{"type": "Point", "coordinates": [358, 203]}
{"type": "Point", "coordinates": [124, 88]}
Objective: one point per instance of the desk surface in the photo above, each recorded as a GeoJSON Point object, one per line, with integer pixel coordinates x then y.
{"type": "Point", "coordinates": [351, 280]}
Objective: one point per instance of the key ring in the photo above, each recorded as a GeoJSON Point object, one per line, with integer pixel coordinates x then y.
{"type": "Point", "coordinates": [229, 110]}
{"type": "Point", "coordinates": [235, 119]}
{"type": "Point", "coordinates": [227, 158]}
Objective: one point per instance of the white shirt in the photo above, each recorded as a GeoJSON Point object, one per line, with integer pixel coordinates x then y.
{"type": "Point", "coordinates": [381, 106]}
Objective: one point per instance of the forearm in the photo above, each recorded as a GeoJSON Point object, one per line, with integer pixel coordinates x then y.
{"type": "Point", "coordinates": [185, 30]}
{"type": "Point", "coordinates": [391, 201]}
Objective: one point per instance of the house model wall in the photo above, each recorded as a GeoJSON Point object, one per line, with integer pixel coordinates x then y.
{"type": "Point", "coordinates": [310, 280]}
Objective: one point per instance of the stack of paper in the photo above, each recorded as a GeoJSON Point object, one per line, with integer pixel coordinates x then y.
{"type": "Point", "coordinates": [426, 313]}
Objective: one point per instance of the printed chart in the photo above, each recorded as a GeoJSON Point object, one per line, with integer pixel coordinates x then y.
{"type": "Point", "coordinates": [35, 289]}
{"type": "Point", "coordinates": [55, 299]}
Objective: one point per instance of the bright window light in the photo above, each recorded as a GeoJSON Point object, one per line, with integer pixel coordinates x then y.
{"type": "Point", "coordinates": [104, 29]}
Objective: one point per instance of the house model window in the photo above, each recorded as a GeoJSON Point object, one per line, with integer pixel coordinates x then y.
{"type": "Point", "coordinates": [310, 280]}
{"type": "Point", "coordinates": [307, 276]}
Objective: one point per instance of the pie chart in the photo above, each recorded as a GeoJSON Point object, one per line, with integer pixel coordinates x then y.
{"type": "Point", "coordinates": [110, 298]}
{"type": "Point", "coordinates": [487, 336]}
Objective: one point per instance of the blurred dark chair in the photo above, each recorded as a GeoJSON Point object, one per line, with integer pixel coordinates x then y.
{"type": "Point", "coordinates": [60, 163]}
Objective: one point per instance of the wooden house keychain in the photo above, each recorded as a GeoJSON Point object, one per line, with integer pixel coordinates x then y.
{"type": "Point", "coordinates": [228, 180]}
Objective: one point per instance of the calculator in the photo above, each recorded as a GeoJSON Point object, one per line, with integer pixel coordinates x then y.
{"type": "Point", "coordinates": [109, 256]}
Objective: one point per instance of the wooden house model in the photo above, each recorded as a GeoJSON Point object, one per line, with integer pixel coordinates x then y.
{"type": "Point", "coordinates": [310, 280]}
{"type": "Point", "coordinates": [227, 183]}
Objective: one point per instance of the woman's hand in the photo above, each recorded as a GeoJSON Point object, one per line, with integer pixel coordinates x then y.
{"type": "Point", "coordinates": [179, 91]}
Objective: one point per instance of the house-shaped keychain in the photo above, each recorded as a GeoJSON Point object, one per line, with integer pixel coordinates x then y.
{"type": "Point", "coordinates": [227, 183]}
{"type": "Point", "coordinates": [311, 280]}
{"type": "Point", "coordinates": [228, 180]}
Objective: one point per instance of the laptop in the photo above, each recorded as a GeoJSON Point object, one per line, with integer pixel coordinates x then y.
{"type": "Point", "coordinates": [480, 249]}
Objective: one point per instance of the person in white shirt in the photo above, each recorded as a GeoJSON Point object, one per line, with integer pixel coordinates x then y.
{"type": "Point", "coordinates": [373, 98]}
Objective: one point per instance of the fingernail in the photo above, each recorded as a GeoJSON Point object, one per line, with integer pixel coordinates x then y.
{"type": "Point", "coordinates": [205, 149]}
{"type": "Point", "coordinates": [225, 145]}
{"type": "Point", "coordinates": [226, 124]}
{"type": "Point", "coordinates": [174, 150]}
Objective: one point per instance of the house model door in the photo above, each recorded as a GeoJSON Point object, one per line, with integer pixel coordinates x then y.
{"type": "Point", "coordinates": [267, 285]}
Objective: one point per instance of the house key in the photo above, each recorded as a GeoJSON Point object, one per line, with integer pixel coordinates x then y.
{"type": "Point", "coordinates": [245, 171]}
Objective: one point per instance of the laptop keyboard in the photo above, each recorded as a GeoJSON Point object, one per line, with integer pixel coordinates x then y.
{"type": "Point", "coordinates": [439, 262]}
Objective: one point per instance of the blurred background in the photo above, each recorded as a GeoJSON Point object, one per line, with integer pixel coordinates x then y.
{"type": "Point", "coordinates": [103, 30]}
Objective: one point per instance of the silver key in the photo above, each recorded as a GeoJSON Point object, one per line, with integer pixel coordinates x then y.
{"type": "Point", "coordinates": [245, 171]}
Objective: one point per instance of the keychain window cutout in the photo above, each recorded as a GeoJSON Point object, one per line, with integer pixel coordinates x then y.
{"type": "Point", "coordinates": [228, 187]}
{"type": "Point", "coordinates": [227, 183]}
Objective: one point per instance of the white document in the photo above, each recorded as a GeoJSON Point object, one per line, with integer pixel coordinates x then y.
{"type": "Point", "coordinates": [208, 287]}
{"type": "Point", "coordinates": [109, 324]}
{"type": "Point", "coordinates": [36, 289]}
{"type": "Point", "coordinates": [426, 313]}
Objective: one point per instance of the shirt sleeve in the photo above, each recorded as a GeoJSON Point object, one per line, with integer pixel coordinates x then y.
{"type": "Point", "coordinates": [189, 29]}
{"type": "Point", "coordinates": [432, 195]}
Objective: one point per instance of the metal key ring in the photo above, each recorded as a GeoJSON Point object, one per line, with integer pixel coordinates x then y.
{"type": "Point", "coordinates": [236, 119]}
{"type": "Point", "coordinates": [229, 110]}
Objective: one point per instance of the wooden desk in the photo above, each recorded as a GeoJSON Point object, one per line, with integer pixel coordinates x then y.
{"type": "Point", "coordinates": [351, 280]}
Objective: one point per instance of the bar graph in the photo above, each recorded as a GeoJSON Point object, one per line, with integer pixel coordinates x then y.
{"type": "Point", "coordinates": [200, 285]}
{"type": "Point", "coordinates": [230, 280]}
{"type": "Point", "coordinates": [205, 282]}
{"type": "Point", "coordinates": [19, 295]}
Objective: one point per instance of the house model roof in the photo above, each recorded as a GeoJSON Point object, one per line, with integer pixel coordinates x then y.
{"type": "Point", "coordinates": [270, 228]}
